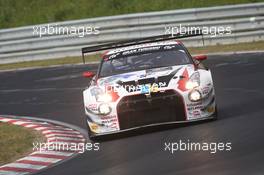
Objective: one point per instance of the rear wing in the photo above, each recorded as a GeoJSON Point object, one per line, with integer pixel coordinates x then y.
{"type": "Point", "coordinates": [145, 40]}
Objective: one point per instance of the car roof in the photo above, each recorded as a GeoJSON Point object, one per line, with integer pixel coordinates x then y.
{"type": "Point", "coordinates": [162, 43]}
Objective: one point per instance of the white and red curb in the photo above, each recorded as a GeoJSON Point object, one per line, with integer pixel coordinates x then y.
{"type": "Point", "coordinates": [40, 159]}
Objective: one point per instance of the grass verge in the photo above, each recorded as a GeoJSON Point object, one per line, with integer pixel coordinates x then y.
{"type": "Point", "coordinates": [16, 142]}
{"type": "Point", "coordinates": [195, 50]}
{"type": "Point", "coordinates": [253, 46]}
{"type": "Point", "coordinates": [14, 13]}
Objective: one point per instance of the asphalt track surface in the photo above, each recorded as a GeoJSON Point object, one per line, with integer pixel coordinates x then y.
{"type": "Point", "coordinates": [56, 93]}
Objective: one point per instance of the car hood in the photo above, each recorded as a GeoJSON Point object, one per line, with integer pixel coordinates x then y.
{"type": "Point", "coordinates": [149, 76]}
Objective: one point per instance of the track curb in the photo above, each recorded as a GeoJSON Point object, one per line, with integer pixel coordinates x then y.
{"type": "Point", "coordinates": [56, 135]}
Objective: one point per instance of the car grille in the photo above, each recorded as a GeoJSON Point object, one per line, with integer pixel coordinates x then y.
{"type": "Point", "coordinates": [140, 110]}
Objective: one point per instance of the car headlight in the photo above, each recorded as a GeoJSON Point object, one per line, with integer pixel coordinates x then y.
{"type": "Point", "coordinates": [195, 95]}
{"type": "Point", "coordinates": [104, 109]}
{"type": "Point", "coordinates": [193, 82]}
{"type": "Point", "coordinates": [104, 98]}
{"type": "Point", "coordinates": [191, 85]}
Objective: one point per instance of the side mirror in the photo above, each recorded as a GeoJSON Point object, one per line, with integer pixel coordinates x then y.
{"type": "Point", "coordinates": [200, 57]}
{"type": "Point", "coordinates": [88, 74]}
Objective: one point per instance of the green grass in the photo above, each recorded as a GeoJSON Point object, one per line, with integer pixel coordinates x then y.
{"type": "Point", "coordinates": [16, 142]}
{"type": "Point", "coordinates": [50, 62]}
{"type": "Point", "coordinates": [92, 58]}
{"type": "Point", "coordinates": [254, 46]}
{"type": "Point", "coordinates": [14, 13]}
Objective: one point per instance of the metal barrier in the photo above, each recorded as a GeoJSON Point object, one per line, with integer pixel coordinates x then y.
{"type": "Point", "coordinates": [245, 20]}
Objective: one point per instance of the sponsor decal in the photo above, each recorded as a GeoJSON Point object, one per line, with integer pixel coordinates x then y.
{"type": "Point", "coordinates": [109, 120]}
{"type": "Point", "coordinates": [194, 104]}
{"type": "Point", "coordinates": [169, 47]}
{"type": "Point", "coordinates": [107, 117]}
{"type": "Point", "coordinates": [140, 50]}
{"type": "Point", "coordinates": [112, 56]}
{"type": "Point", "coordinates": [196, 113]}
{"type": "Point", "coordinates": [92, 107]}
{"type": "Point", "coordinates": [147, 88]}
{"type": "Point", "coordinates": [142, 88]}
{"type": "Point", "coordinates": [194, 109]}
{"type": "Point", "coordinates": [199, 107]}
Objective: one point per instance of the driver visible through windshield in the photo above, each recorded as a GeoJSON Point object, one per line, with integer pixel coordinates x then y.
{"type": "Point", "coordinates": [127, 62]}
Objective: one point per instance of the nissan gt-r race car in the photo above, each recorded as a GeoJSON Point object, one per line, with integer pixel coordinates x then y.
{"type": "Point", "coordinates": [147, 84]}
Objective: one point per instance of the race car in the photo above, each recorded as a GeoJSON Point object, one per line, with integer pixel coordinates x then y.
{"type": "Point", "coordinates": [149, 84]}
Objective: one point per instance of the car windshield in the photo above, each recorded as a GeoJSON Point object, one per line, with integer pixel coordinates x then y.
{"type": "Point", "coordinates": [143, 61]}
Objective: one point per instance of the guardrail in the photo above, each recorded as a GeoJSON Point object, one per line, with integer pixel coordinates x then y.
{"type": "Point", "coordinates": [245, 20]}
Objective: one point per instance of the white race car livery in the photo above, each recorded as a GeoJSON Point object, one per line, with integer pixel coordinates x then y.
{"type": "Point", "coordinates": [146, 85]}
